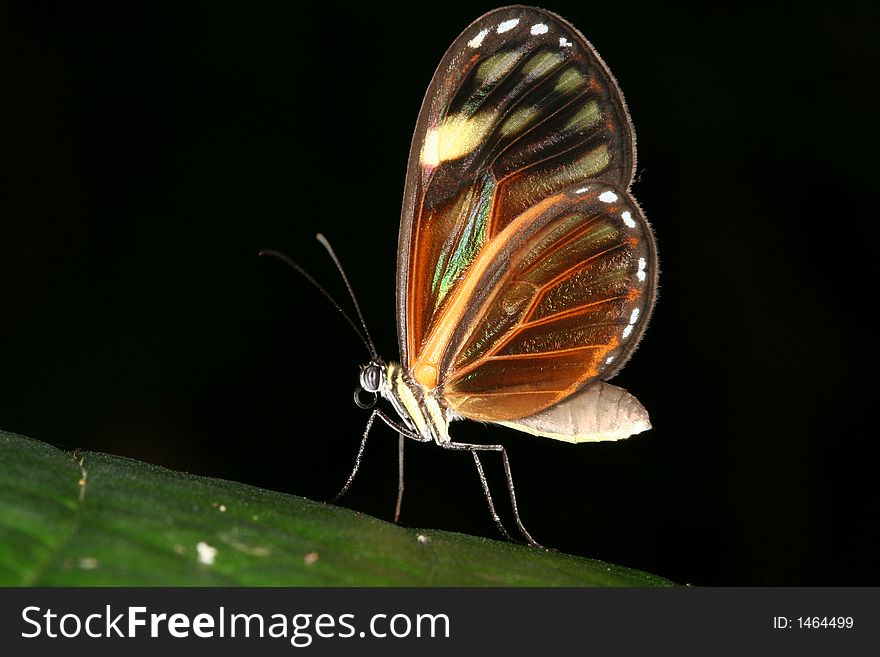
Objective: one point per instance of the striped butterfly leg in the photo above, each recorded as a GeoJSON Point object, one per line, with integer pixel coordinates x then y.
{"type": "Point", "coordinates": [402, 431]}
{"type": "Point", "coordinates": [474, 449]}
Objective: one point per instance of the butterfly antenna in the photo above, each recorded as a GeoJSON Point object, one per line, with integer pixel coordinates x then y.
{"type": "Point", "coordinates": [286, 260]}
{"type": "Point", "coordinates": [357, 306]}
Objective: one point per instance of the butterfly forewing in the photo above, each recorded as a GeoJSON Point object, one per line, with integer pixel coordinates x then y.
{"type": "Point", "coordinates": [513, 285]}
{"type": "Point", "coordinates": [520, 107]}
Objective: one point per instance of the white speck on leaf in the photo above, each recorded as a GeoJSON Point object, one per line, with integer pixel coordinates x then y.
{"type": "Point", "coordinates": [311, 558]}
{"type": "Point", "coordinates": [88, 563]}
{"type": "Point", "coordinates": [207, 553]}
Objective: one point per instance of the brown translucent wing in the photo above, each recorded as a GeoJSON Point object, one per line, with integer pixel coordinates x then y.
{"type": "Point", "coordinates": [521, 108]}
{"type": "Point", "coordinates": [558, 299]}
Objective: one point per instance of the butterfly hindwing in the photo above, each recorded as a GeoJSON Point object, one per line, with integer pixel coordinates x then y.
{"type": "Point", "coordinates": [557, 300]}
{"type": "Point", "coordinates": [520, 108]}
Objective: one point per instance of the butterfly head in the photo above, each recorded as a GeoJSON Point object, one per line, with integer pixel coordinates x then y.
{"type": "Point", "coordinates": [372, 379]}
{"type": "Point", "coordinates": [373, 376]}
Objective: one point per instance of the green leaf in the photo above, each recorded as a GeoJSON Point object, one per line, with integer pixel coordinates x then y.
{"type": "Point", "coordinates": [92, 519]}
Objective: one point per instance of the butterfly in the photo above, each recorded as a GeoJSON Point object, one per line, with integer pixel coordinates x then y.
{"type": "Point", "coordinates": [526, 270]}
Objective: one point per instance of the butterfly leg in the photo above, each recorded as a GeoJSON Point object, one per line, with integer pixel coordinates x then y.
{"type": "Point", "coordinates": [401, 439]}
{"type": "Point", "coordinates": [377, 412]}
{"type": "Point", "coordinates": [473, 449]}
{"type": "Point", "coordinates": [488, 495]}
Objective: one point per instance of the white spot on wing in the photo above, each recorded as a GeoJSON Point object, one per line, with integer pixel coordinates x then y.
{"type": "Point", "coordinates": [207, 553]}
{"type": "Point", "coordinates": [634, 316]}
{"type": "Point", "coordinates": [539, 28]}
{"type": "Point", "coordinates": [608, 197]}
{"type": "Point", "coordinates": [627, 219]}
{"type": "Point", "coordinates": [477, 41]}
{"type": "Point", "coordinates": [640, 274]}
{"type": "Point", "coordinates": [627, 331]}
{"type": "Point", "coordinates": [506, 26]}
{"type": "Point", "coordinates": [609, 360]}
{"type": "Point", "coordinates": [581, 190]}
{"type": "Point", "coordinates": [565, 43]}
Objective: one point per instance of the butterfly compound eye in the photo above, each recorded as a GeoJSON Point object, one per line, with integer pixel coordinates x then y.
{"type": "Point", "coordinates": [371, 378]}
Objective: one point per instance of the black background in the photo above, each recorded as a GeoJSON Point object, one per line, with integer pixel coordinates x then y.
{"type": "Point", "coordinates": [152, 151]}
